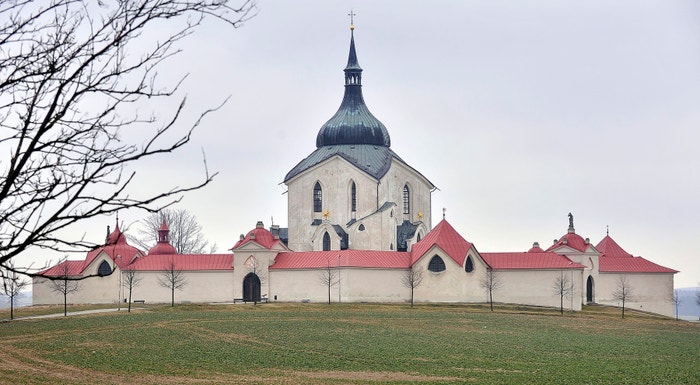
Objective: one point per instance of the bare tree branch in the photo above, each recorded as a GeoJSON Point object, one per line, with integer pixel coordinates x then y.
{"type": "Point", "coordinates": [129, 281]}
{"type": "Point", "coordinates": [185, 232]}
{"type": "Point", "coordinates": [72, 74]}
{"type": "Point", "coordinates": [411, 279]}
{"type": "Point", "coordinates": [328, 277]}
{"type": "Point", "coordinates": [491, 282]}
{"type": "Point", "coordinates": [623, 291]}
{"type": "Point", "coordinates": [65, 284]}
{"type": "Point", "coordinates": [12, 285]}
{"type": "Point", "coordinates": [563, 287]}
{"type": "Point", "coordinates": [173, 279]}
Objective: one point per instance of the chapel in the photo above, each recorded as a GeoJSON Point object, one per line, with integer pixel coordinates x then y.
{"type": "Point", "coordinates": [359, 225]}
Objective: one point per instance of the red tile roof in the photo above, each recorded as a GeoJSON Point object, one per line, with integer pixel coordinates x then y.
{"type": "Point", "coordinates": [65, 268]}
{"type": "Point", "coordinates": [610, 248]}
{"type": "Point", "coordinates": [186, 262]}
{"type": "Point", "coordinates": [348, 258]}
{"type": "Point", "coordinates": [571, 240]}
{"type": "Point", "coordinates": [631, 265]}
{"type": "Point", "coordinates": [529, 260]}
{"type": "Point", "coordinates": [447, 238]}
{"type": "Point", "coordinates": [259, 235]}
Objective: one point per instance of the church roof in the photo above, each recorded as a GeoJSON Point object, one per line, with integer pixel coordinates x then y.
{"type": "Point", "coordinates": [116, 247]}
{"type": "Point", "coordinates": [631, 265]}
{"type": "Point", "coordinates": [608, 247]}
{"type": "Point", "coordinates": [353, 123]}
{"type": "Point", "coordinates": [258, 235]}
{"type": "Point", "coordinates": [374, 160]}
{"type": "Point", "coordinates": [447, 238]}
{"type": "Point", "coordinates": [529, 260]}
{"type": "Point", "coordinates": [348, 258]}
{"type": "Point", "coordinates": [185, 262]}
{"type": "Point", "coordinates": [571, 240]}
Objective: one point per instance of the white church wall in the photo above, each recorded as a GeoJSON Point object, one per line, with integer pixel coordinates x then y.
{"type": "Point", "coordinates": [537, 288]}
{"type": "Point", "coordinates": [391, 190]}
{"type": "Point", "coordinates": [201, 286]}
{"type": "Point", "coordinates": [651, 292]}
{"type": "Point", "coordinates": [90, 290]}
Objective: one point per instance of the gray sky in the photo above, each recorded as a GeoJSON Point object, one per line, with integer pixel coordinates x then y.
{"type": "Point", "coordinates": [519, 112]}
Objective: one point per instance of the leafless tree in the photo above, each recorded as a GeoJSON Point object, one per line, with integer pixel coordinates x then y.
{"type": "Point", "coordinates": [623, 292]}
{"type": "Point", "coordinates": [676, 299]}
{"type": "Point", "coordinates": [75, 75]}
{"type": "Point", "coordinates": [563, 287]}
{"type": "Point", "coordinates": [172, 279]}
{"type": "Point", "coordinates": [411, 279]}
{"type": "Point", "coordinates": [328, 277]}
{"type": "Point", "coordinates": [185, 232]}
{"type": "Point", "coordinates": [12, 285]}
{"type": "Point", "coordinates": [697, 297]}
{"type": "Point", "coordinates": [491, 281]}
{"type": "Point", "coordinates": [129, 281]}
{"type": "Point", "coordinates": [254, 267]}
{"type": "Point", "coordinates": [64, 284]}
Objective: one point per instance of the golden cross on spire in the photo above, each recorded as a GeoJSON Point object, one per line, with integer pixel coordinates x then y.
{"type": "Point", "coordinates": [352, 19]}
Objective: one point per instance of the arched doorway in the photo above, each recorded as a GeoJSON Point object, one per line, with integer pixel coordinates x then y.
{"type": "Point", "coordinates": [589, 290]}
{"type": "Point", "coordinates": [251, 288]}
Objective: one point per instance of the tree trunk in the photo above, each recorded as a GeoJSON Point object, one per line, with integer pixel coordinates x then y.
{"type": "Point", "coordinates": [129, 305]}
{"type": "Point", "coordinates": [12, 307]}
{"type": "Point", "coordinates": [172, 296]}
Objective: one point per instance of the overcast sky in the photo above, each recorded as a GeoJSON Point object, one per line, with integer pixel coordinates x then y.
{"type": "Point", "coordinates": [519, 112]}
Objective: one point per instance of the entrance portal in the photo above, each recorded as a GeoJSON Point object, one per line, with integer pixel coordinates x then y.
{"type": "Point", "coordinates": [589, 290]}
{"type": "Point", "coordinates": [251, 288]}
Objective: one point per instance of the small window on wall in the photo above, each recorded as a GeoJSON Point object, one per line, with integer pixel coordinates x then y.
{"type": "Point", "coordinates": [353, 197]}
{"type": "Point", "coordinates": [318, 198]}
{"type": "Point", "coordinates": [406, 200]}
{"type": "Point", "coordinates": [104, 269]}
{"type": "Point", "coordinates": [326, 242]}
{"type": "Point", "coordinates": [469, 266]}
{"type": "Point", "coordinates": [436, 264]}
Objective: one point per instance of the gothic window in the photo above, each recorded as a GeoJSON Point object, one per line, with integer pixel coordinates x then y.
{"type": "Point", "coordinates": [326, 241]}
{"type": "Point", "coordinates": [318, 198]}
{"type": "Point", "coordinates": [353, 197]}
{"type": "Point", "coordinates": [406, 200]}
{"type": "Point", "coordinates": [469, 266]}
{"type": "Point", "coordinates": [104, 269]}
{"type": "Point", "coordinates": [436, 264]}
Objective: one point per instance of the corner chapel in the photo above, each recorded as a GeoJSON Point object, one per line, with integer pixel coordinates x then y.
{"type": "Point", "coordinates": [357, 207]}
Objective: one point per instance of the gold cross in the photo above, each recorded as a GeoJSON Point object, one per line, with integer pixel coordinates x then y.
{"type": "Point", "coordinates": [352, 18]}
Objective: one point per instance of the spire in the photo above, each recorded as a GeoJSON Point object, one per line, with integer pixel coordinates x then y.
{"type": "Point", "coordinates": [353, 123]}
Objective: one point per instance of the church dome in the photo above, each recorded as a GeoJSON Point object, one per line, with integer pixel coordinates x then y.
{"type": "Point", "coordinates": [353, 124]}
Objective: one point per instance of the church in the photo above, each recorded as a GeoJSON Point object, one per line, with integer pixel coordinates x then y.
{"type": "Point", "coordinates": [359, 226]}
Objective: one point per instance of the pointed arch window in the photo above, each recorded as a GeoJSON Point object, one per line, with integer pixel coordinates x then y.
{"type": "Point", "coordinates": [436, 264]}
{"type": "Point", "coordinates": [353, 197]}
{"type": "Point", "coordinates": [406, 200]}
{"type": "Point", "coordinates": [318, 198]}
{"type": "Point", "coordinates": [326, 241]}
{"type": "Point", "coordinates": [104, 269]}
{"type": "Point", "coordinates": [469, 265]}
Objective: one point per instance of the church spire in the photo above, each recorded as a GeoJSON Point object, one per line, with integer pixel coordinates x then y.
{"type": "Point", "coordinates": [353, 124]}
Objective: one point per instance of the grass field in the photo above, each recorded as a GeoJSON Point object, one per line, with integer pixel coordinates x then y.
{"type": "Point", "coordinates": [351, 343]}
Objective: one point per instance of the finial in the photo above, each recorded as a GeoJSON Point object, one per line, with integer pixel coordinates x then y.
{"type": "Point", "coordinates": [607, 230]}
{"type": "Point", "coordinates": [443, 212]}
{"type": "Point", "coordinates": [352, 19]}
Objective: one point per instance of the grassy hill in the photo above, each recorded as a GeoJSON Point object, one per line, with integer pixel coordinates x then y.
{"type": "Point", "coordinates": [350, 343]}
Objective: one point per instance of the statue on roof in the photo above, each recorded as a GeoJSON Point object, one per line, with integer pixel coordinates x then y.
{"type": "Point", "coordinates": [571, 221]}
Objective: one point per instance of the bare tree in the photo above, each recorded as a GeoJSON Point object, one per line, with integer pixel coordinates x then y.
{"type": "Point", "coordinates": [563, 287]}
{"type": "Point", "coordinates": [491, 281]}
{"type": "Point", "coordinates": [129, 281]}
{"type": "Point", "coordinates": [676, 299]}
{"type": "Point", "coordinates": [253, 267]}
{"type": "Point", "coordinates": [12, 285]}
{"type": "Point", "coordinates": [173, 279]}
{"type": "Point", "coordinates": [697, 297]}
{"type": "Point", "coordinates": [411, 279]}
{"type": "Point", "coordinates": [185, 232]}
{"type": "Point", "coordinates": [328, 277]}
{"type": "Point", "coordinates": [623, 292]}
{"type": "Point", "coordinates": [64, 284]}
{"type": "Point", "coordinates": [74, 76]}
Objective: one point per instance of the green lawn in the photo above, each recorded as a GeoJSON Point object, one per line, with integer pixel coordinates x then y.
{"type": "Point", "coordinates": [352, 343]}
